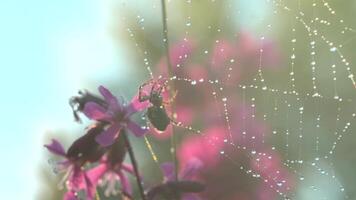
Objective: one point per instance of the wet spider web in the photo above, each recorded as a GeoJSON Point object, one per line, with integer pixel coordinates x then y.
{"type": "Point", "coordinates": [310, 108]}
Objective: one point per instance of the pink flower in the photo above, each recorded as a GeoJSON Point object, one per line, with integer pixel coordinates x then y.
{"type": "Point", "coordinates": [248, 48]}
{"type": "Point", "coordinates": [223, 51]}
{"type": "Point", "coordinates": [116, 114]}
{"type": "Point", "coordinates": [268, 164]}
{"type": "Point", "coordinates": [197, 72]}
{"type": "Point", "coordinates": [206, 149]}
{"type": "Point", "coordinates": [183, 188]}
{"type": "Point", "coordinates": [83, 150]}
{"type": "Point", "coordinates": [188, 172]}
{"type": "Point", "coordinates": [70, 196]}
{"type": "Point", "coordinates": [179, 53]}
{"type": "Point", "coordinates": [111, 170]}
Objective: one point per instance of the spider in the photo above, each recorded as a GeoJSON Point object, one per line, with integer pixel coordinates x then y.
{"type": "Point", "coordinates": [156, 113]}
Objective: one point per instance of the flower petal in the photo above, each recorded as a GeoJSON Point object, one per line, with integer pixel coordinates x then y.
{"type": "Point", "coordinates": [113, 102]}
{"type": "Point", "coordinates": [70, 196]}
{"type": "Point", "coordinates": [191, 168]}
{"type": "Point", "coordinates": [56, 148]}
{"type": "Point", "coordinates": [125, 183]}
{"type": "Point", "coordinates": [107, 137]}
{"type": "Point", "coordinates": [95, 111]}
{"type": "Point", "coordinates": [168, 171]}
{"type": "Point", "coordinates": [136, 129]}
{"type": "Point", "coordinates": [190, 197]}
{"type": "Point", "coordinates": [90, 187]}
{"type": "Point", "coordinates": [96, 173]}
{"type": "Point", "coordinates": [136, 106]}
{"type": "Point", "coordinates": [127, 168]}
{"type": "Point", "coordinates": [76, 179]}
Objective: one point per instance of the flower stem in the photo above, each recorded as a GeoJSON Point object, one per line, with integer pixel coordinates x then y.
{"type": "Point", "coordinates": [134, 164]}
{"type": "Point", "coordinates": [172, 86]}
{"type": "Point", "coordinates": [97, 195]}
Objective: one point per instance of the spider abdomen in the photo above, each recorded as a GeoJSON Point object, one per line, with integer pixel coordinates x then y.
{"type": "Point", "coordinates": [158, 117]}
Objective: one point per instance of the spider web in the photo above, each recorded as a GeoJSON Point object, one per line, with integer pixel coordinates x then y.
{"type": "Point", "coordinates": [308, 104]}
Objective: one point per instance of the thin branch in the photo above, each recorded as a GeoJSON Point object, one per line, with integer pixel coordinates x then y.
{"type": "Point", "coordinates": [171, 83]}
{"type": "Point", "coordinates": [134, 164]}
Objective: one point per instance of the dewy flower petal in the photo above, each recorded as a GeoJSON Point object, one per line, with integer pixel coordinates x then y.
{"type": "Point", "coordinates": [56, 148]}
{"type": "Point", "coordinates": [108, 136]}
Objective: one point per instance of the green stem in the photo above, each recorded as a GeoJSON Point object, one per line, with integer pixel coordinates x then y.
{"type": "Point", "coordinates": [172, 86]}
{"type": "Point", "coordinates": [134, 164]}
{"type": "Point", "coordinates": [97, 197]}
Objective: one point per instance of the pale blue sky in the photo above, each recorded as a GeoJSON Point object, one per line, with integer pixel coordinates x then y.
{"type": "Point", "coordinates": [49, 49]}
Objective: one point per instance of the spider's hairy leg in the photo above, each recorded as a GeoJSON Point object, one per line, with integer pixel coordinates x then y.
{"type": "Point", "coordinates": [142, 97]}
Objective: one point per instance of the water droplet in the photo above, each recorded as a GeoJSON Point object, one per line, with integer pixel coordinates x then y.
{"type": "Point", "coordinates": [333, 49]}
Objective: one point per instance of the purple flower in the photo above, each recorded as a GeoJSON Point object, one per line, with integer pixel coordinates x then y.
{"type": "Point", "coordinates": [74, 176]}
{"type": "Point", "coordinates": [116, 114]}
{"type": "Point", "coordinates": [109, 177]}
{"type": "Point", "coordinates": [83, 150]}
{"type": "Point", "coordinates": [184, 188]}
{"type": "Point", "coordinates": [112, 170]}
{"type": "Point", "coordinates": [78, 102]}
{"type": "Point", "coordinates": [187, 173]}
